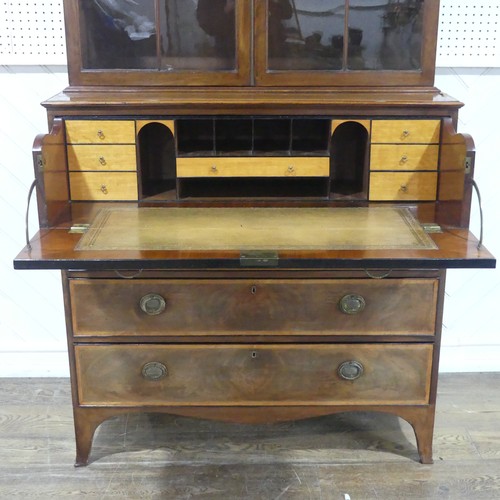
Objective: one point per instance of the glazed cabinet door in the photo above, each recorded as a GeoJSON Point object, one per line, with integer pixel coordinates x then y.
{"type": "Point", "coordinates": [158, 42]}
{"type": "Point", "coordinates": [345, 42]}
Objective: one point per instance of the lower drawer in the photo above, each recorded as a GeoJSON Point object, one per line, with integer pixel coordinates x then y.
{"type": "Point", "coordinates": [103, 186]}
{"type": "Point", "coordinates": [228, 375]}
{"type": "Point", "coordinates": [403, 186]}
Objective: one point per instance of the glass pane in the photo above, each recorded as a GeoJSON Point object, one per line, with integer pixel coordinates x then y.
{"type": "Point", "coordinates": [306, 34]}
{"type": "Point", "coordinates": [198, 35]}
{"type": "Point", "coordinates": [118, 34]}
{"type": "Point", "coordinates": [385, 35]}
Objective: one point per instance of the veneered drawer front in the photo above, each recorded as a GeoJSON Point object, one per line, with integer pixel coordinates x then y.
{"type": "Point", "coordinates": [403, 186]}
{"type": "Point", "coordinates": [102, 158]}
{"type": "Point", "coordinates": [262, 307]}
{"type": "Point", "coordinates": [103, 186]}
{"type": "Point", "coordinates": [260, 375]}
{"type": "Point", "coordinates": [404, 157]}
{"type": "Point", "coordinates": [406, 131]}
{"type": "Point", "coordinates": [100, 131]}
{"type": "Point", "coordinates": [254, 167]}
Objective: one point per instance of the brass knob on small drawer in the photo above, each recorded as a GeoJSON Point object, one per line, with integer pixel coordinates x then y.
{"type": "Point", "coordinates": [213, 169]}
{"type": "Point", "coordinates": [352, 304]}
{"type": "Point", "coordinates": [404, 159]}
{"type": "Point", "coordinates": [101, 135]}
{"type": "Point", "coordinates": [350, 370]}
{"type": "Point", "coordinates": [405, 134]}
{"type": "Point", "coordinates": [102, 160]}
{"type": "Point", "coordinates": [152, 304]}
{"type": "Point", "coordinates": [104, 189]}
{"type": "Point", "coordinates": [404, 188]}
{"type": "Point", "coordinates": [154, 371]}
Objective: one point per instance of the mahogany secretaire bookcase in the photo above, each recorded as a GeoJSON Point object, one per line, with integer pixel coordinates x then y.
{"type": "Point", "coordinates": [253, 205]}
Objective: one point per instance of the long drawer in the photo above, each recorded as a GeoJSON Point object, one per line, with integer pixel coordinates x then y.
{"type": "Point", "coordinates": [253, 167]}
{"type": "Point", "coordinates": [250, 375]}
{"type": "Point", "coordinates": [159, 307]}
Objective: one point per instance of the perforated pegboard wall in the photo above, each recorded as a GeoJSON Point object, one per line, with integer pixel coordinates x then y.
{"type": "Point", "coordinates": [32, 32]}
{"type": "Point", "coordinates": [469, 33]}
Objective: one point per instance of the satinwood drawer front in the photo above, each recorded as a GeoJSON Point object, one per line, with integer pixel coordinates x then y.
{"type": "Point", "coordinates": [103, 186]}
{"type": "Point", "coordinates": [100, 131]}
{"type": "Point", "coordinates": [159, 307]}
{"type": "Point", "coordinates": [272, 375]}
{"type": "Point", "coordinates": [254, 167]}
{"type": "Point", "coordinates": [404, 157]}
{"type": "Point", "coordinates": [405, 131]}
{"type": "Point", "coordinates": [403, 186]}
{"type": "Point", "coordinates": [102, 158]}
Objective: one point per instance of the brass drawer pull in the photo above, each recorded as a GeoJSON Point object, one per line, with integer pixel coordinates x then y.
{"type": "Point", "coordinates": [152, 304]}
{"type": "Point", "coordinates": [104, 189]}
{"type": "Point", "coordinates": [404, 188]}
{"type": "Point", "coordinates": [404, 159]}
{"type": "Point", "coordinates": [154, 371]}
{"type": "Point", "coordinates": [214, 169]}
{"type": "Point", "coordinates": [102, 160]}
{"type": "Point", "coordinates": [291, 169]}
{"type": "Point", "coordinates": [350, 370]}
{"type": "Point", "coordinates": [101, 135]}
{"type": "Point", "coordinates": [352, 304]}
{"type": "Point", "coordinates": [405, 134]}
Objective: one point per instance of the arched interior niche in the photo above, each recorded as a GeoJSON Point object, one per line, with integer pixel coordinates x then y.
{"type": "Point", "coordinates": [157, 160]}
{"type": "Point", "coordinates": [349, 161]}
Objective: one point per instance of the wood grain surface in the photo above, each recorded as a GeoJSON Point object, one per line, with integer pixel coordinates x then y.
{"type": "Point", "coordinates": [367, 456]}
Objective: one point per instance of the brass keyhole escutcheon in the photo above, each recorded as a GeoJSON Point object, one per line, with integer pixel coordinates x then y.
{"type": "Point", "coordinates": [352, 304]}
{"type": "Point", "coordinates": [350, 370]}
{"type": "Point", "coordinates": [253, 290]}
{"type": "Point", "coordinates": [154, 371]}
{"type": "Point", "coordinates": [152, 304]}
{"type": "Point", "coordinates": [104, 189]}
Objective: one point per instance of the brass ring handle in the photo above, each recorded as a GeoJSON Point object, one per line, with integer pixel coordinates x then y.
{"type": "Point", "coordinates": [154, 371]}
{"type": "Point", "coordinates": [214, 169]}
{"type": "Point", "coordinates": [291, 169]}
{"type": "Point", "coordinates": [152, 304]}
{"type": "Point", "coordinates": [404, 159]}
{"type": "Point", "coordinates": [352, 304]}
{"type": "Point", "coordinates": [102, 160]}
{"type": "Point", "coordinates": [406, 134]}
{"type": "Point", "coordinates": [350, 370]}
{"type": "Point", "coordinates": [404, 188]}
{"type": "Point", "coordinates": [101, 135]}
{"type": "Point", "coordinates": [104, 189]}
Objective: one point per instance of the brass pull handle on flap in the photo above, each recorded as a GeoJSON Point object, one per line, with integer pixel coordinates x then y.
{"type": "Point", "coordinates": [154, 371]}
{"type": "Point", "coordinates": [352, 304]}
{"type": "Point", "coordinates": [350, 370]}
{"type": "Point", "coordinates": [152, 304]}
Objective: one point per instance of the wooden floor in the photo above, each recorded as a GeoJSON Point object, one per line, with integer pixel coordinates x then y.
{"type": "Point", "coordinates": [357, 456]}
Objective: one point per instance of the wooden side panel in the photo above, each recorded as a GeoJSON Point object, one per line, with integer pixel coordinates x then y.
{"type": "Point", "coordinates": [49, 158]}
{"type": "Point", "coordinates": [406, 131]}
{"type": "Point", "coordinates": [403, 186]}
{"type": "Point", "coordinates": [263, 307]}
{"type": "Point", "coordinates": [254, 167]}
{"type": "Point", "coordinates": [103, 186]}
{"type": "Point", "coordinates": [263, 375]}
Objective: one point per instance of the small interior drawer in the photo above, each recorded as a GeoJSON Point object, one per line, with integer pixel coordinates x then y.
{"type": "Point", "coordinates": [103, 186]}
{"type": "Point", "coordinates": [249, 375]}
{"type": "Point", "coordinates": [405, 131]}
{"type": "Point", "coordinates": [404, 157]}
{"type": "Point", "coordinates": [165, 308]}
{"type": "Point", "coordinates": [102, 158]}
{"type": "Point", "coordinates": [253, 167]}
{"type": "Point", "coordinates": [403, 186]}
{"type": "Point", "coordinates": [100, 131]}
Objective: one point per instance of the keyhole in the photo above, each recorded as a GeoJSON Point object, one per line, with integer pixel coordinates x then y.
{"type": "Point", "coordinates": [253, 290]}
{"type": "Point", "coordinates": [254, 355]}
